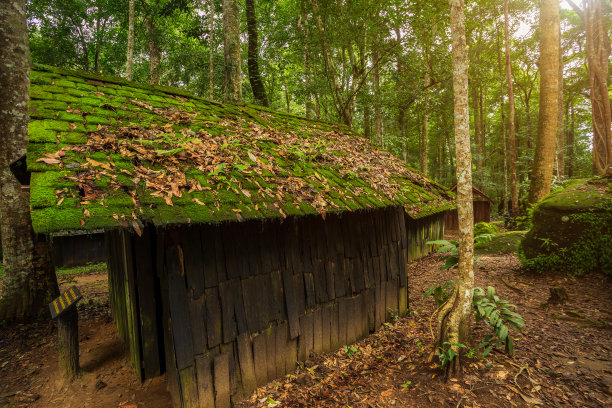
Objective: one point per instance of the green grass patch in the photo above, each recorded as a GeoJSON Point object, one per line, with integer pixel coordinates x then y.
{"type": "Point", "coordinates": [81, 270]}
{"type": "Point", "coordinates": [504, 243]}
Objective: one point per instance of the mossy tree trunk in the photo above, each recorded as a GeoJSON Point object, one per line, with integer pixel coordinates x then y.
{"type": "Point", "coordinates": [454, 318]}
{"type": "Point", "coordinates": [154, 51]}
{"type": "Point", "coordinates": [29, 279]}
{"type": "Point", "coordinates": [231, 47]}
{"type": "Point", "coordinates": [544, 157]}
{"type": "Point", "coordinates": [259, 91]}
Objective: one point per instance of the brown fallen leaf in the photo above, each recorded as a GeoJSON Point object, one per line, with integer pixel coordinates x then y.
{"type": "Point", "coordinates": [137, 228]}
{"type": "Point", "coordinates": [61, 200]}
{"type": "Point", "coordinates": [48, 160]}
{"type": "Point", "coordinates": [198, 202]}
{"type": "Point", "coordinates": [86, 212]}
{"type": "Point", "coordinates": [82, 222]}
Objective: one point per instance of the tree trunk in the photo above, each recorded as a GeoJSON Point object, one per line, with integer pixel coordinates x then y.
{"type": "Point", "coordinates": [29, 280]}
{"type": "Point", "coordinates": [544, 157]}
{"type": "Point", "coordinates": [231, 47]}
{"type": "Point", "coordinates": [130, 42]}
{"type": "Point", "coordinates": [211, 47]}
{"type": "Point", "coordinates": [455, 315]}
{"type": "Point", "coordinates": [377, 97]}
{"type": "Point", "coordinates": [503, 125]}
{"type": "Point", "coordinates": [598, 54]}
{"type": "Point", "coordinates": [570, 146]}
{"type": "Point", "coordinates": [259, 91]}
{"type": "Point", "coordinates": [425, 130]}
{"type": "Point", "coordinates": [154, 52]}
{"type": "Point", "coordinates": [512, 135]}
{"type": "Point", "coordinates": [560, 159]}
{"type": "Point", "coordinates": [68, 343]}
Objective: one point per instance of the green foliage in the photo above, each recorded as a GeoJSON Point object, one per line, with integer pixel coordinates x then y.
{"type": "Point", "coordinates": [349, 351]}
{"type": "Point", "coordinates": [446, 354]}
{"type": "Point", "coordinates": [440, 293]}
{"type": "Point", "coordinates": [80, 270]}
{"type": "Point", "coordinates": [496, 313]}
{"type": "Point", "coordinates": [485, 228]}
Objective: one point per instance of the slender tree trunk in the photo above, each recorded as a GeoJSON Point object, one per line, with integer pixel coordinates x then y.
{"type": "Point", "coordinates": [455, 315]}
{"type": "Point", "coordinates": [130, 42]}
{"type": "Point", "coordinates": [259, 91]}
{"type": "Point", "coordinates": [544, 158]}
{"type": "Point", "coordinates": [570, 145]}
{"type": "Point", "coordinates": [425, 130]}
{"type": "Point", "coordinates": [503, 124]}
{"type": "Point", "coordinates": [231, 46]}
{"type": "Point", "coordinates": [560, 159]}
{"type": "Point", "coordinates": [287, 100]}
{"type": "Point", "coordinates": [367, 126]}
{"type": "Point", "coordinates": [29, 280]}
{"type": "Point", "coordinates": [154, 52]}
{"type": "Point", "coordinates": [211, 54]}
{"type": "Point", "coordinates": [97, 52]}
{"type": "Point", "coordinates": [377, 96]}
{"type": "Point", "coordinates": [511, 120]}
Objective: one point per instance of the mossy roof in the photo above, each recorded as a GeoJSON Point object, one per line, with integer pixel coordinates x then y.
{"type": "Point", "coordinates": [104, 153]}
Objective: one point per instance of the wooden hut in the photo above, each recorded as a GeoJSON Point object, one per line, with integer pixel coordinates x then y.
{"type": "Point", "coordinates": [482, 210]}
{"type": "Point", "coordinates": [239, 239]}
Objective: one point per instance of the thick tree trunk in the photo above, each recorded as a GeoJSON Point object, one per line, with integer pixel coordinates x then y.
{"type": "Point", "coordinates": [29, 280]}
{"type": "Point", "coordinates": [560, 158]}
{"type": "Point", "coordinates": [544, 158]}
{"type": "Point", "coordinates": [211, 48]}
{"type": "Point", "coordinates": [455, 315]}
{"type": "Point", "coordinates": [598, 54]}
{"type": "Point", "coordinates": [259, 91]}
{"type": "Point", "coordinates": [154, 52]}
{"type": "Point", "coordinates": [130, 42]}
{"type": "Point", "coordinates": [231, 46]}
{"type": "Point", "coordinates": [512, 135]}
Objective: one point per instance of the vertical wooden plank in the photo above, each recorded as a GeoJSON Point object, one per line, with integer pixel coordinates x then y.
{"type": "Point", "coordinates": [343, 317]}
{"type": "Point", "coordinates": [197, 319]}
{"type": "Point", "coordinates": [189, 387]}
{"type": "Point", "coordinates": [318, 330]}
{"type": "Point", "coordinates": [132, 303]}
{"type": "Point", "coordinates": [144, 248]}
{"type": "Point", "coordinates": [236, 293]}
{"type": "Point", "coordinates": [220, 256]}
{"type": "Point", "coordinates": [192, 251]}
{"type": "Point", "coordinates": [371, 308]}
{"type": "Point", "coordinates": [291, 302]}
{"type": "Point", "coordinates": [231, 242]}
{"type": "Point", "coordinates": [260, 359]}
{"type": "Point", "coordinates": [222, 381]}
{"type": "Point", "coordinates": [311, 299]}
{"type": "Point", "coordinates": [334, 329]}
{"type": "Point", "coordinates": [305, 341]}
{"type": "Point", "coordinates": [403, 300]}
{"type": "Point", "coordinates": [330, 272]}
{"type": "Point", "coordinates": [300, 296]}
{"type": "Point", "coordinates": [213, 317]}
{"type": "Point", "coordinates": [280, 332]}
{"type": "Point", "coordinates": [277, 304]}
{"type": "Point", "coordinates": [227, 312]}
{"type": "Point", "coordinates": [326, 327]}
{"type": "Point", "coordinates": [270, 337]}
{"type": "Point", "coordinates": [179, 309]}
{"type": "Point", "coordinates": [206, 392]}
{"type": "Point", "coordinates": [245, 360]}
{"type": "Point", "coordinates": [252, 290]}
{"type": "Point", "coordinates": [209, 262]}
{"type": "Point", "coordinates": [291, 355]}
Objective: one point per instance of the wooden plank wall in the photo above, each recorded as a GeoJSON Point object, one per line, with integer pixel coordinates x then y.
{"type": "Point", "coordinates": [75, 250]}
{"type": "Point", "coordinates": [482, 213]}
{"type": "Point", "coordinates": [420, 231]}
{"type": "Point", "coordinates": [247, 301]}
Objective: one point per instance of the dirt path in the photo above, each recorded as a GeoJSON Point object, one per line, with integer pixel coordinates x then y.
{"type": "Point", "coordinates": [557, 363]}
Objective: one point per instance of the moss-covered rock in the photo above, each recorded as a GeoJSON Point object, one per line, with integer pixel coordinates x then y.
{"type": "Point", "coordinates": [572, 230]}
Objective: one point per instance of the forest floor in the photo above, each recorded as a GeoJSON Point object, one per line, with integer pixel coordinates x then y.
{"type": "Point", "coordinates": [563, 355]}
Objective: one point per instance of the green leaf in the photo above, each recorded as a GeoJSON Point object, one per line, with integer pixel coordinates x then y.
{"type": "Point", "coordinates": [503, 332]}
{"type": "Point", "coordinates": [490, 292]}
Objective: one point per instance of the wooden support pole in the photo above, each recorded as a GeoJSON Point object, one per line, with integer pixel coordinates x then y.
{"type": "Point", "coordinates": [68, 343]}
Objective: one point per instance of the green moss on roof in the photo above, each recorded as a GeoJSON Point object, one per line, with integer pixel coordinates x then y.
{"type": "Point", "coordinates": [105, 152]}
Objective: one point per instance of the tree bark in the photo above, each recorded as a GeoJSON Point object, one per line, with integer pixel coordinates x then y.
{"type": "Point", "coordinates": [130, 42]}
{"type": "Point", "coordinates": [29, 280]}
{"type": "Point", "coordinates": [425, 130]}
{"type": "Point", "coordinates": [68, 343]}
{"type": "Point", "coordinates": [259, 91]}
{"type": "Point", "coordinates": [560, 158]}
{"type": "Point", "coordinates": [231, 47]}
{"type": "Point", "coordinates": [211, 44]}
{"type": "Point", "coordinates": [455, 315]}
{"type": "Point", "coordinates": [503, 125]}
{"type": "Point", "coordinates": [154, 52]}
{"type": "Point", "coordinates": [544, 157]}
{"type": "Point", "coordinates": [377, 96]}
{"type": "Point", "coordinates": [598, 54]}
{"type": "Point", "coordinates": [511, 113]}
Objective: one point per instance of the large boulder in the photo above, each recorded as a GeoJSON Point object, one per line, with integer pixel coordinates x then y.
{"type": "Point", "coordinates": [572, 230]}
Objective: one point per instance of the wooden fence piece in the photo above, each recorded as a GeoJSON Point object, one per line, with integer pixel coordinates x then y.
{"type": "Point", "coordinates": [260, 359]}
{"type": "Point", "coordinates": [222, 381]}
{"type": "Point", "coordinates": [206, 392]}
{"type": "Point", "coordinates": [213, 317]}
{"type": "Point", "coordinates": [245, 361]}
{"type": "Point", "coordinates": [305, 341]}
{"type": "Point", "coordinates": [189, 387]}
{"type": "Point", "coordinates": [192, 251]}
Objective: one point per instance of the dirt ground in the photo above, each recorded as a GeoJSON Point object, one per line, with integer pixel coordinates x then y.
{"type": "Point", "coordinates": [560, 361]}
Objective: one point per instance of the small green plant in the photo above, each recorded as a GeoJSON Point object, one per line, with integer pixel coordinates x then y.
{"type": "Point", "coordinates": [485, 228]}
{"type": "Point", "coordinates": [447, 354]}
{"type": "Point", "coordinates": [406, 384]}
{"type": "Point", "coordinates": [394, 314]}
{"type": "Point", "coordinates": [349, 351]}
{"type": "Point", "coordinates": [496, 314]}
{"type": "Point", "coordinates": [440, 293]}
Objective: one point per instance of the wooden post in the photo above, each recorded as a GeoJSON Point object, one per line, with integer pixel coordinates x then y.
{"type": "Point", "coordinates": [68, 342]}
